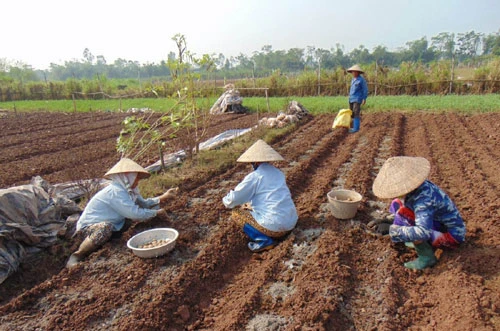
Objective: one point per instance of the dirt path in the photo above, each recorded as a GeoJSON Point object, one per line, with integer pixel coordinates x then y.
{"type": "Point", "coordinates": [328, 274]}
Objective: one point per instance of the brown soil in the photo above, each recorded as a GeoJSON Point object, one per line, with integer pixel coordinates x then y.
{"type": "Point", "coordinates": [328, 274]}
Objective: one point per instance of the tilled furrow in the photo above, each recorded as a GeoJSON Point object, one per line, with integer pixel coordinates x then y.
{"type": "Point", "coordinates": [73, 140]}
{"type": "Point", "coordinates": [455, 170]}
{"type": "Point", "coordinates": [485, 132]}
{"type": "Point", "coordinates": [313, 131]}
{"type": "Point", "coordinates": [182, 300]}
{"type": "Point", "coordinates": [39, 122]}
{"type": "Point", "coordinates": [241, 297]}
{"type": "Point", "coordinates": [327, 300]}
{"type": "Point", "coordinates": [458, 161]}
{"type": "Point", "coordinates": [359, 177]}
{"type": "Point", "coordinates": [26, 169]}
{"type": "Point", "coordinates": [479, 150]}
{"type": "Point", "coordinates": [363, 249]}
{"type": "Point", "coordinates": [217, 315]}
{"type": "Point", "coordinates": [70, 133]}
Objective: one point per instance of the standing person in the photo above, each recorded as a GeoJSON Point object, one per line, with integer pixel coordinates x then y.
{"type": "Point", "coordinates": [271, 213]}
{"type": "Point", "coordinates": [107, 210]}
{"type": "Point", "coordinates": [357, 96]}
{"type": "Point", "coordinates": [423, 213]}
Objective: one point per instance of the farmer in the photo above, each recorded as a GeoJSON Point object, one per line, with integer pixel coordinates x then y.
{"type": "Point", "coordinates": [357, 96]}
{"type": "Point", "coordinates": [107, 210]}
{"type": "Point", "coordinates": [271, 213]}
{"type": "Point", "coordinates": [423, 214]}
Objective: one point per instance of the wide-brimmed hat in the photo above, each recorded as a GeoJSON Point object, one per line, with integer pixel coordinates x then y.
{"type": "Point", "coordinates": [400, 175]}
{"type": "Point", "coordinates": [355, 68]}
{"type": "Point", "coordinates": [127, 165]}
{"type": "Point", "coordinates": [260, 152]}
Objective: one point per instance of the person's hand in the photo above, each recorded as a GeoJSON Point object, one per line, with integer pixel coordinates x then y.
{"type": "Point", "coordinates": [380, 226]}
{"type": "Point", "coordinates": [169, 194]}
{"type": "Point", "coordinates": [161, 213]}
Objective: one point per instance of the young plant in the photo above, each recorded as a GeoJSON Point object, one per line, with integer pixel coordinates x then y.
{"type": "Point", "coordinates": [139, 135]}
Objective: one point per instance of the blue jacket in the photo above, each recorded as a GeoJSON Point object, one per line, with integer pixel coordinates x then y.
{"type": "Point", "coordinates": [272, 203]}
{"type": "Point", "coordinates": [433, 210]}
{"type": "Point", "coordinates": [359, 90]}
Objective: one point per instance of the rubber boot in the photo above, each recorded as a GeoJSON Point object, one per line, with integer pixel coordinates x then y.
{"type": "Point", "coordinates": [425, 258]}
{"type": "Point", "coordinates": [86, 247]}
{"type": "Point", "coordinates": [260, 242]}
{"type": "Point", "coordinates": [356, 122]}
{"type": "Point", "coordinates": [409, 244]}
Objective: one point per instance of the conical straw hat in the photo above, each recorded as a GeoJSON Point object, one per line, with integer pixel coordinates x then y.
{"type": "Point", "coordinates": [127, 165]}
{"type": "Point", "coordinates": [355, 68]}
{"type": "Point", "coordinates": [400, 175]}
{"type": "Point", "coordinates": [260, 152]}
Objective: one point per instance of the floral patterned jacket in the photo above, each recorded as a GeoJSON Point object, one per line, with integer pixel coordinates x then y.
{"type": "Point", "coordinates": [433, 210]}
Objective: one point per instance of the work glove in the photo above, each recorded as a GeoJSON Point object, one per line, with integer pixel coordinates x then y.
{"type": "Point", "coordinates": [380, 226]}
{"type": "Point", "coordinates": [403, 216]}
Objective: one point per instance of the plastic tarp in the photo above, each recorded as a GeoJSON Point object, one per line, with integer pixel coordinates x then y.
{"type": "Point", "coordinates": [229, 98]}
{"type": "Point", "coordinates": [222, 138]}
{"type": "Point", "coordinates": [30, 218]}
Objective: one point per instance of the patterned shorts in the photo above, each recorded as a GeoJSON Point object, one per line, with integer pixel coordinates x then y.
{"type": "Point", "coordinates": [241, 216]}
{"type": "Point", "coordinates": [99, 233]}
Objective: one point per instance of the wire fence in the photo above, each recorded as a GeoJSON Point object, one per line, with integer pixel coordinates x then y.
{"type": "Point", "coordinates": [249, 88]}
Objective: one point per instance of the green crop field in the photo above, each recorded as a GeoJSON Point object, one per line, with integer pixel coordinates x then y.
{"type": "Point", "coordinates": [316, 105]}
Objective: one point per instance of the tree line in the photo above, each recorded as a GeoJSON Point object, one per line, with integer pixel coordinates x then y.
{"type": "Point", "coordinates": [420, 61]}
{"type": "Point", "coordinates": [461, 47]}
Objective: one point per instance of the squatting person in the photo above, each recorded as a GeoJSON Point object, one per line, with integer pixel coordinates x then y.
{"type": "Point", "coordinates": [107, 210]}
{"type": "Point", "coordinates": [424, 215]}
{"type": "Point", "coordinates": [358, 94]}
{"type": "Point", "coordinates": [271, 213]}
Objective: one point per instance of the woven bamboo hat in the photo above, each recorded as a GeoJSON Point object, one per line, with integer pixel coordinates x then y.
{"type": "Point", "coordinates": [260, 152]}
{"type": "Point", "coordinates": [127, 165]}
{"type": "Point", "coordinates": [355, 68]}
{"type": "Point", "coordinates": [400, 175]}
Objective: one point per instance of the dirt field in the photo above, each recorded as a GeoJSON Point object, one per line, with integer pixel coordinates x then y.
{"type": "Point", "coordinates": [328, 274]}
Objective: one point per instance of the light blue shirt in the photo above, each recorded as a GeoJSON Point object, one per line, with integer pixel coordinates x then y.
{"type": "Point", "coordinates": [272, 203]}
{"type": "Point", "coordinates": [113, 204]}
{"type": "Point", "coordinates": [359, 90]}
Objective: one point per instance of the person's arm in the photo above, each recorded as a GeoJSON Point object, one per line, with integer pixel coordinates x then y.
{"type": "Point", "coordinates": [156, 201]}
{"type": "Point", "coordinates": [243, 192]}
{"type": "Point", "coordinates": [421, 231]}
{"type": "Point", "coordinates": [148, 203]}
{"type": "Point", "coordinates": [123, 205]}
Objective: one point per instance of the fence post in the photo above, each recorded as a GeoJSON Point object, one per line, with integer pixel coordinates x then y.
{"type": "Point", "coordinates": [74, 102]}
{"type": "Point", "coordinates": [319, 78]}
{"type": "Point", "coordinates": [267, 101]}
{"type": "Point", "coordinates": [452, 72]}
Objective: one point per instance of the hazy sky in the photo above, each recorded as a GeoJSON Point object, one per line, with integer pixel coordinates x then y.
{"type": "Point", "coordinates": [40, 32]}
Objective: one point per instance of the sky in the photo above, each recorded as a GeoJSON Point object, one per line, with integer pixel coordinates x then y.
{"type": "Point", "coordinates": [39, 33]}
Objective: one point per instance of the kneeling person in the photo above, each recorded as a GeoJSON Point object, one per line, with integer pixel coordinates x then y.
{"type": "Point", "coordinates": [107, 210]}
{"type": "Point", "coordinates": [424, 215]}
{"type": "Point", "coordinates": [272, 213]}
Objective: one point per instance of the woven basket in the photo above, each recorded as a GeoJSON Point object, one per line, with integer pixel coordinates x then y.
{"type": "Point", "coordinates": [344, 203]}
{"type": "Point", "coordinates": [150, 235]}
